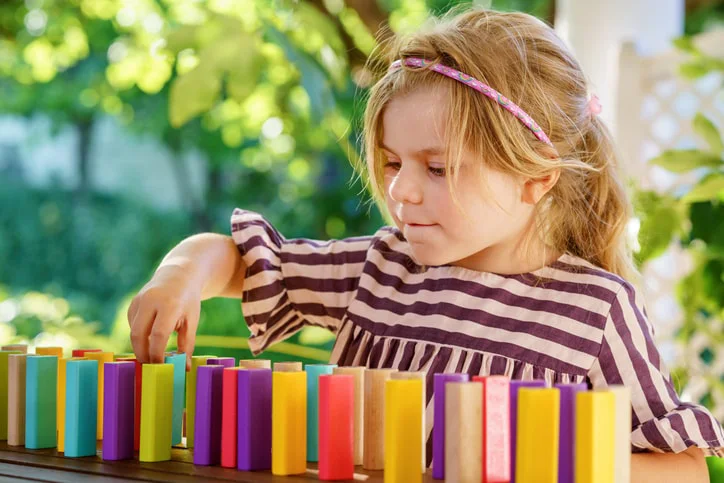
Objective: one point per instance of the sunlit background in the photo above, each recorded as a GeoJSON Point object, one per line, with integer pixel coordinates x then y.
{"type": "Point", "coordinates": [127, 125]}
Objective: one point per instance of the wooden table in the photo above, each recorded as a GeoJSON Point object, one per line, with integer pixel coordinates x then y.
{"type": "Point", "coordinates": [20, 464]}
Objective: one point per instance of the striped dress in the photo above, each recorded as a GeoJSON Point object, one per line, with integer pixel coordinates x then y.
{"type": "Point", "coordinates": [568, 322]}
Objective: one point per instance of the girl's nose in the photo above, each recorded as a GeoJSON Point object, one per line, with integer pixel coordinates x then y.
{"type": "Point", "coordinates": [406, 187]}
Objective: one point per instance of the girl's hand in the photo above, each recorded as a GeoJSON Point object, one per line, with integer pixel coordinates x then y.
{"type": "Point", "coordinates": [169, 302]}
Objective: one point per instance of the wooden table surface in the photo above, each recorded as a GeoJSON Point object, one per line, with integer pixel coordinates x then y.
{"type": "Point", "coordinates": [20, 464]}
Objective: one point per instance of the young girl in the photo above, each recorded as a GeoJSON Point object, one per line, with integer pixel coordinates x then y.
{"type": "Point", "coordinates": [507, 255]}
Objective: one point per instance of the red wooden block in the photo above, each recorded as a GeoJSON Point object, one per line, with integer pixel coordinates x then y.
{"type": "Point", "coordinates": [81, 352]}
{"type": "Point", "coordinates": [229, 410]}
{"type": "Point", "coordinates": [336, 427]}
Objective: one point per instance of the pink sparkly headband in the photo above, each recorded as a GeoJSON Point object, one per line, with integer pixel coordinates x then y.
{"type": "Point", "coordinates": [504, 102]}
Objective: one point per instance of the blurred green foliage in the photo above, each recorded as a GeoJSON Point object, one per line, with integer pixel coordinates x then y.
{"type": "Point", "coordinates": [694, 218]}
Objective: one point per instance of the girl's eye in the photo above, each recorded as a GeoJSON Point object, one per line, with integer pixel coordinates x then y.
{"type": "Point", "coordinates": [437, 171]}
{"type": "Point", "coordinates": [392, 165]}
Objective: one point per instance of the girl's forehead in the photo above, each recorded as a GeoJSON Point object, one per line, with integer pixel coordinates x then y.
{"type": "Point", "coordinates": [415, 120]}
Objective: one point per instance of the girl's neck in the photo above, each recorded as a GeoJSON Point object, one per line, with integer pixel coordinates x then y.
{"type": "Point", "coordinates": [510, 258]}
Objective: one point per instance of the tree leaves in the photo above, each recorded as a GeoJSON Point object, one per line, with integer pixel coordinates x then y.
{"type": "Point", "coordinates": [708, 189]}
{"type": "Point", "coordinates": [709, 132]}
{"type": "Point", "coordinates": [684, 160]}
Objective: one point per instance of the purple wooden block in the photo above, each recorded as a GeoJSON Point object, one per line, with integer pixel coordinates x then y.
{"type": "Point", "coordinates": [207, 433]}
{"type": "Point", "coordinates": [438, 428]}
{"type": "Point", "coordinates": [118, 410]}
{"type": "Point", "coordinates": [254, 430]}
{"type": "Point", "coordinates": [514, 386]}
{"type": "Point", "coordinates": [221, 361]}
{"type": "Point", "coordinates": [566, 461]}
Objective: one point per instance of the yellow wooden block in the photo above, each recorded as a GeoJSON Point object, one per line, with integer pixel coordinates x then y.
{"type": "Point", "coordinates": [60, 395]}
{"type": "Point", "coordinates": [538, 435]}
{"type": "Point", "coordinates": [595, 431]}
{"type": "Point", "coordinates": [49, 351]}
{"type": "Point", "coordinates": [196, 361]}
{"type": "Point", "coordinates": [403, 431]}
{"type": "Point", "coordinates": [102, 358]}
{"type": "Point", "coordinates": [156, 412]}
{"type": "Point", "coordinates": [289, 423]}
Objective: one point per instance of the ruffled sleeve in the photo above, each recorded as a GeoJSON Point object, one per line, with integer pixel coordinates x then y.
{"type": "Point", "coordinates": [293, 283]}
{"type": "Point", "coordinates": [661, 422]}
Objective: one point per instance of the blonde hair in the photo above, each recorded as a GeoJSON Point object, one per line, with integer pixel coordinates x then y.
{"type": "Point", "coordinates": [586, 213]}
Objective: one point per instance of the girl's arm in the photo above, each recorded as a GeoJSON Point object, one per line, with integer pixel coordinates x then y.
{"type": "Point", "coordinates": [688, 466]}
{"type": "Point", "coordinates": [200, 267]}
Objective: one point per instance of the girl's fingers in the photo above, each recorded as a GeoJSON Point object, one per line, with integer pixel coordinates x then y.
{"type": "Point", "coordinates": [163, 325]}
{"type": "Point", "coordinates": [140, 330]}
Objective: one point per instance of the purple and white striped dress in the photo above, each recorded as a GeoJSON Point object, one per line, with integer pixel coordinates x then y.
{"type": "Point", "coordinates": [568, 322]}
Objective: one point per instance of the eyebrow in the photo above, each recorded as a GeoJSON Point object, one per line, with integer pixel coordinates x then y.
{"type": "Point", "coordinates": [431, 151]}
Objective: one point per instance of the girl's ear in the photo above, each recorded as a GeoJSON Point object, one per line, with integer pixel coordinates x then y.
{"type": "Point", "coordinates": [535, 189]}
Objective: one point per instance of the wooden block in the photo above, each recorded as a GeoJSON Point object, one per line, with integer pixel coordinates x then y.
{"type": "Point", "coordinates": [313, 373]}
{"type": "Point", "coordinates": [83, 352]}
{"type": "Point", "coordinates": [289, 423]}
{"type": "Point", "coordinates": [221, 361]}
{"type": "Point", "coordinates": [41, 379]}
{"type": "Point", "coordinates": [156, 413]}
{"type": "Point", "coordinates": [514, 387]}
{"type": "Point", "coordinates": [336, 427]}
{"type": "Point", "coordinates": [137, 396]}
{"type": "Point", "coordinates": [567, 445]}
{"type": "Point", "coordinates": [60, 396]}
{"type": "Point", "coordinates": [537, 439]}
{"type": "Point", "coordinates": [229, 416]}
{"type": "Point", "coordinates": [422, 376]}
{"type": "Point", "coordinates": [438, 428]}
{"type": "Point", "coordinates": [196, 361]}
{"type": "Point", "coordinates": [496, 428]}
{"type": "Point", "coordinates": [81, 405]}
{"type": "Point", "coordinates": [102, 358]}
{"type": "Point", "coordinates": [16, 399]}
{"type": "Point", "coordinates": [4, 392]}
{"type": "Point", "coordinates": [359, 408]}
{"type": "Point", "coordinates": [374, 418]}
{"type": "Point", "coordinates": [22, 348]}
{"type": "Point", "coordinates": [463, 431]}
{"type": "Point", "coordinates": [622, 434]}
{"type": "Point", "coordinates": [255, 363]}
{"type": "Point", "coordinates": [254, 414]}
{"type": "Point", "coordinates": [118, 411]}
{"type": "Point", "coordinates": [287, 367]}
{"type": "Point", "coordinates": [207, 442]}
{"type": "Point", "coordinates": [49, 351]}
{"type": "Point", "coordinates": [403, 431]}
{"type": "Point", "coordinates": [595, 436]}
{"type": "Point", "coordinates": [178, 361]}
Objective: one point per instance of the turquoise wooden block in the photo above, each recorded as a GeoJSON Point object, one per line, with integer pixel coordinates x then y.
{"type": "Point", "coordinates": [313, 373]}
{"type": "Point", "coordinates": [41, 382]}
{"type": "Point", "coordinates": [179, 395]}
{"type": "Point", "coordinates": [81, 407]}
{"type": "Point", "coordinates": [716, 469]}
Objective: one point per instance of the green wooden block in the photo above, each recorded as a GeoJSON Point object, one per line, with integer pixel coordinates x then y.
{"type": "Point", "coordinates": [4, 393]}
{"type": "Point", "coordinates": [41, 385]}
{"type": "Point", "coordinates": [179, 387]}
{"type": "Point", "coordinates": [716, 469]}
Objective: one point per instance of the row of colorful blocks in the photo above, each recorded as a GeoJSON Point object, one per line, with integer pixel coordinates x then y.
{"type": "Point", "coordinates": [296, 416]}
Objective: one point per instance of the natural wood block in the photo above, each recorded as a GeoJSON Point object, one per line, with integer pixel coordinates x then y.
{"type": "Point", "coordinates": [374, 418]}
{"type": "Point", "coordinates": [16, 399]}
{"type": "Point", "coordinates": [463, 432]}
{"type": "Point", "coordinates": [255, 363]}
{"type": "Point", "coordinates": [288, 367]}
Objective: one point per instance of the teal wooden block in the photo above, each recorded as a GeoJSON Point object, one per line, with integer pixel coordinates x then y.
{"type": "Point", "coordinates": [716, 469]}
{"type": "Point", "coordinates": [41, 383]}
{"type": "Point", "coordinates": [81, 407]}
{"type": "Point", "coordinates": [179, 395]}
{"type": "Point", "coordinates": [313, 373]}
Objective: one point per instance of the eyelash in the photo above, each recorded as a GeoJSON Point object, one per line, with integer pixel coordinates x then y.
{"type": "Point", "coordinates": [439, 172]}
